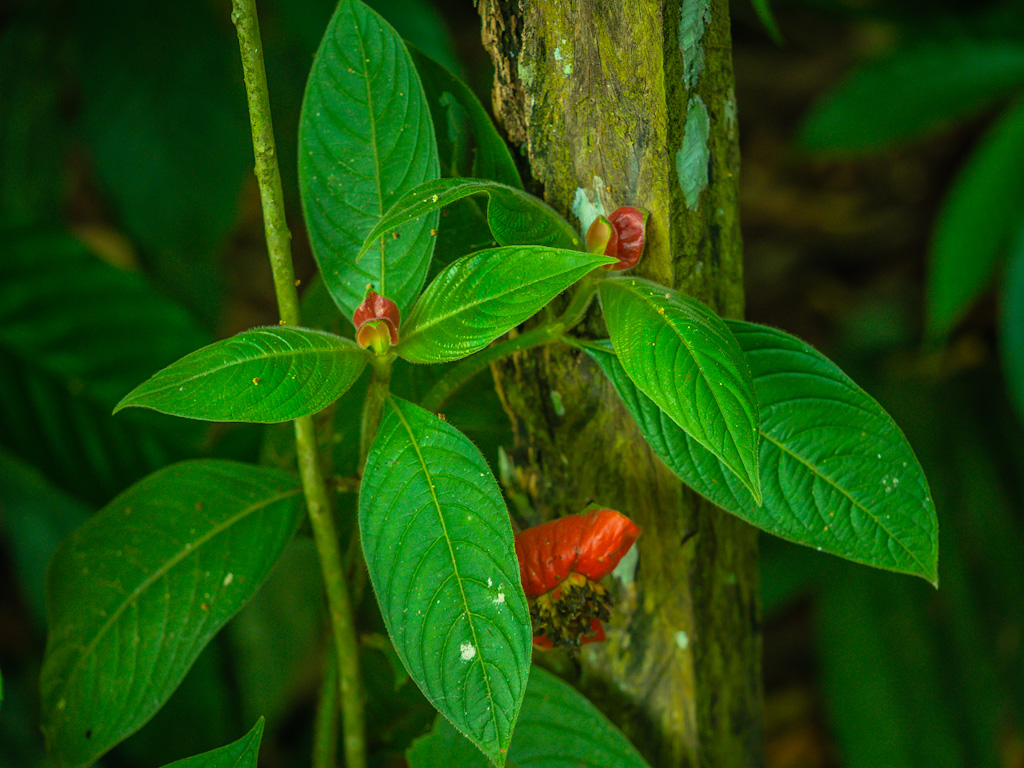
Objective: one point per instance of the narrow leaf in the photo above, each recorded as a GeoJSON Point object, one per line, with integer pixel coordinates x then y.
{"type": "Point", "coordinates": [492, 157]}
{"type": "Point", "coordinates": [763, 9]}
{"type": "Point", "coordinates": [1011, 330]}
{"type": "Point", "coordinates": [515, 217]}
{"type": "Point", "coordinates": [483, 295]}
{"type": "Point", "coordinates": [263, 375]}
{"type": "Point", "coordinates": [439, 550]}
{"type": "Point", "coordinates": [558, 728]}
{"type": "Point", "coordinates": [979, 217]}
{"type": "Point", "coordinates": [837, 473]}
{"type": "Point", "coordinates": [239, 754]}
{"type": "Point", "coordinates": [365, 138]}
{"type": "Point", "coordinates": [937, 82]}
{"type": "Point", "coordinates": [137, 592]}
{"type": "Point", "coordinates": [682, 356]}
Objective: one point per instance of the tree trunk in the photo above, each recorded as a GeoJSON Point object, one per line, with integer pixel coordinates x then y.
{"type": "Point", "coordinates": [632, 104]}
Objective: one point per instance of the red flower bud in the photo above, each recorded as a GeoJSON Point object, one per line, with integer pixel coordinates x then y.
{"type": "Point", "coordinates": [561, 563]}
{"type": "Point", "coordinates": [376, 321]}
{"type": "Point", "coordinates": [630, 225]}
{"type": "Point", "coordinates": [602, 238]}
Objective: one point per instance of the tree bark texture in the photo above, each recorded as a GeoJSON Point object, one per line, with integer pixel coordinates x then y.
{"type": "Point", "coordinates": [631, 103]}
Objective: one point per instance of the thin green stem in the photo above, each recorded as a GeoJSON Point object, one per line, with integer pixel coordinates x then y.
{"type": "Point", "coordinates": [545, 333]}
{"type": "Point", "coordinates": [243, 14]}
{"type": "Point", "coordinates": [325, 726]}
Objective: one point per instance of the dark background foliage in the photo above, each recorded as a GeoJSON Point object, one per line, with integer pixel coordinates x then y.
{"type": "Point", "coordinates": [130, 234]}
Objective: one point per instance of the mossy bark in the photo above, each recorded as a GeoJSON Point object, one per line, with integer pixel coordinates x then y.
{"type": "Point", "coordinates": [632, 104]}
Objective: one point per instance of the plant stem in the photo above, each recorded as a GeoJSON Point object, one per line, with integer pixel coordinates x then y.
{"type": "Point", "coordinates": [325, 726]}
{"type": "Point", "coordinates": [545, 333]}
{"type": "Point", "coordinates": [243, 14]}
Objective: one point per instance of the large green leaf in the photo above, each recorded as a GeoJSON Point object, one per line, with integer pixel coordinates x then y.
{"type": "Point", "coordinates": [136, 593]}
{"type": "Point", "coordinates": [515, 217]}
{"type": "Point", "coordinates": [485, 294]}
{"type": "Point", "coordinates": [1011, 329]}
{"type": "Point", "coordinates": [438, 547]}
{"type": "Point", "coordinates": [558, 728]}
{"type": "Point", "coordinates": [980, 216]}
{"type": "Point", "coordinates": [263, 375]}
{"type": "Point", "coordinates": [75, 335]}
{"type": "Point", "coordinates": [837, 473]}
{"type": "Point", "coordinates": [447, 94]}
{"type": "Point", "coordinates": [365, 138]}
{"type": "Point", "coordinates": [912, 91]}
{"type": "Point", "coordinates": [682, 356]}
{"type": "Point", "coordinates": [239, 754]}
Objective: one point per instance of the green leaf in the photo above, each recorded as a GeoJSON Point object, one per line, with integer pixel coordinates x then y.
{"type": "Point", "coordinates": [263, 375]}
{"type": "Point", "coordinates": [365, 138]}
{"type": "Point", "coordinates": [682, 356]}
{"type": "Point", "coordinates": [515, 217]}
{"type": "Point", "coordinates": [979, 217]}
{"type": "Point", "coordinates": [485, 294]}
{"type": "Point", "coordinates": [445, 91]}
{"type": "Point", "coordinates": [558, 728]}
{"type": "Point", "coordinates": [763, 9]}
{"type": "Point", "coordinates": [936, 82]}
{"type": "Point", "coordinates": [136, 593]}
{"type": "Point", "coordinates": [837, 473]}
{"type": "Point", "coordinates": [438, 546]}
{"type": "Point", "coordinates": [1011, 329]}
{"type": "Point", "coordinates": [75, 334]}
{"type": "Point", "coordinates": [239, 754]}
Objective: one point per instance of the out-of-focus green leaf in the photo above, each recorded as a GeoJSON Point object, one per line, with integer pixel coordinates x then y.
{"type": "Point", "coordinates": [979, 218]}
{"type": "Point", "coordinates": [136, 593]}
{"type": "Point", "coordinates": [239, 754]}
{"type": "Point", "coordinates": [485, 294]}
{"type": "Point", "coordinates": [32, 134]}
{"type": "Point", "coordinates": [837, 473]}
{"type": "Point", "coordinates": [75, 334]}
{"type": "Point", "coordinates": [263, 375]}
{"type": "Point", "coordinates": [365, 138]}
{"type": "Point", "coordinates": [454, 608]}
{"type": "Point", "coordinates": [1011, 328]}
{"type": "Point", "coordinates": [763, 9]}
{"type": "Point", "coordinates": [515, 217]}
{"type": "Point", "coordinates": [558, 728]}
{"type": "Point", "coordinates": [168, 131]}
{"type": "Point", "coordinates": [37, 516]}
{"type": "Point", "coordinates": [684, 358]}
{"type": "Point", "coordinates": [915, 89]}
{"type": "Point", "coordinates": [492, 159]}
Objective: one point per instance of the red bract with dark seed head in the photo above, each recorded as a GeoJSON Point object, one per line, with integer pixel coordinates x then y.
{"type": "Point", "coordinates": [630, 225]}
{"type": "Point", "coordinates": [561, 563]}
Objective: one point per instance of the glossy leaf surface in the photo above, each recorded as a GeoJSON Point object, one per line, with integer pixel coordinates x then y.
{"type": "Point", "coordinates": [515, 217]}
{"type": "Point", "coordinates": [937, 82]}
{"type": "Point", "coordinates": [837, 474]}
{"type": "Point", "coordinates": [978, 220]}
{"type": "Point", "coordinates": [491, 157]}
{"type": "Point", "coordinates": [239, 754]}
{"type": "Point", "coordinates": [263, 375]}
{"type": "Point", "coordinates": [439, 550]}
{"type": "Point", "coordinates": [682, 356]}
{"type": "Point", "coordinates": [558, 728]}
{"type": "Point", "coordinates": [365, 138]}
{"type": "Point", "coordinates": [136, 593]}
{"type": "Point", "coordinates": [485, 294]}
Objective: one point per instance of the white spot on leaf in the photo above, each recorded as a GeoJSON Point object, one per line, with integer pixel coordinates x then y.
{"type": "Point", "coordinates": [467, 651]}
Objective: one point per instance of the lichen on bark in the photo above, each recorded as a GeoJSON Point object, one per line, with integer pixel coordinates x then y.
{"type": "Point", "coordinates": [619, 115]}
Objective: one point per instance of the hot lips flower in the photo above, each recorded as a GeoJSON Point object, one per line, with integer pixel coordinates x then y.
{"type": "Point", "coordinates": [376, 321]}
{"type": "Point", "coordinates": [620, 235]}
{"type": "Point", "coordinates": [561, 563]}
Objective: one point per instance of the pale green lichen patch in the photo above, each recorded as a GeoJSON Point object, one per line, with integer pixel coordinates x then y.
{"type": "Point", "coordinates": [692, 157]}
{"type": "Point", "coordinates": [694, 17]}
{"type": "Point", "coordinates": [587, 205]}
{"type": "Point", "coordinates": [525, 72]}
{"type": "Point", "coordinates": [682, 640]}
{"type": "Point", "coordinates": [729, 111]}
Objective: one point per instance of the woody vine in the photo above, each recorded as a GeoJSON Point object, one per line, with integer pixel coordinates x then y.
{"type": "Point", "coordinates": [749, 416]}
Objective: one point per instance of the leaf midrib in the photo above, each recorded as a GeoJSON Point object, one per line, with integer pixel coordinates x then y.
{"type": "Point", "coordinates": [159, 573]}
{"type": "Point", "coordinates": [455, 565]}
